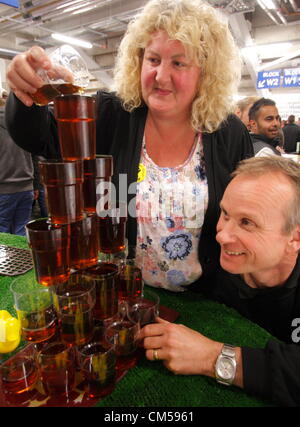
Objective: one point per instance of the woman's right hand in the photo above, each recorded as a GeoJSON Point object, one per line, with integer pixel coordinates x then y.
{"type": "Point", "coordinates": [22, 76]}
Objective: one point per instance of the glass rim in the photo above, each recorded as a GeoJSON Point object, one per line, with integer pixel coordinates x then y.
{"type": "Point", "coordinates": [84, 292]}
{"type": "Point", "coordinates": [120, 321]}
{"type": "Point", "coordinates": [75, 95]}
{"type": "Point", "coordinates": [58, 161]}
{"type": "Point", "coordinates": [53, 228]}
{"type": "Point", "coordinates": [52, 344]}
{"type": "Point", "coordinates": [29, 291]}
{"type": "Point", "coordinates": [103, 276]}
{"type": "Point", "coordinates": [111, 347]}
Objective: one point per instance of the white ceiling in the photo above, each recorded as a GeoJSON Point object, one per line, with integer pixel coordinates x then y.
{"type": "Point", "coordinates": [105, 23]}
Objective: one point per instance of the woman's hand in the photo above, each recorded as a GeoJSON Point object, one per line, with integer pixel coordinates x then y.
{"type": "Point", "coordinates": [22, 76]}
{"type": "Point", "coordinates": [183, 350]}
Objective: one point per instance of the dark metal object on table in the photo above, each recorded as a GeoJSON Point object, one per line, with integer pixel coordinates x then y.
{"type": "Point", "coordinates": [14, 261]}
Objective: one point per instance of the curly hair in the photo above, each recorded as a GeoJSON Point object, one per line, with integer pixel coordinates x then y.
{"type": "Point", "coordinates": [207, 40]}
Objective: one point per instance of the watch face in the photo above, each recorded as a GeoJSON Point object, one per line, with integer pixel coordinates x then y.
{"type": "Point", "coordinates": [225, 368]}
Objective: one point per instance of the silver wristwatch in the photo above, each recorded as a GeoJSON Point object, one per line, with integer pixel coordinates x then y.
{"type": "Point", "coordinates": [225, 367]}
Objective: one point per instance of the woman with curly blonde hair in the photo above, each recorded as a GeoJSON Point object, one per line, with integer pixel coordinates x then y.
{"type": "Point", "coordinates": [207, 42]}
{"type": "Point", "coordinates": [169, 128]}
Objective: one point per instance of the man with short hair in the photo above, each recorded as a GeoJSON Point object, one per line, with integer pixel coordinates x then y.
{"type": "Point", "coordinates": [291, 135]}
{"type": "Point", "coordinates": [259, 235]}
{"type": "Point", "coordinates": [264, 122]}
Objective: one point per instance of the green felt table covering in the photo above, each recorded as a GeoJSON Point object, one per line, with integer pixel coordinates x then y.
{"type": "Point", "coordinates": [150, 384]}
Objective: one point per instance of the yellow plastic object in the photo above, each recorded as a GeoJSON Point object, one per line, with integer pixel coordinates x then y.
{"type": "Point", "coordinates": [9, 332]}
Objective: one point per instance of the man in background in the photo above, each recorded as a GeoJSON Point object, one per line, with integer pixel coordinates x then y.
{"type": "Point", "coordinates": [264, 122]}
{"type": "Point", "coordinates": [242, 108]}
{"type": "Point", "coordinates": [16, 181]}
{"type": "Point", "coordinates": [291, 135]}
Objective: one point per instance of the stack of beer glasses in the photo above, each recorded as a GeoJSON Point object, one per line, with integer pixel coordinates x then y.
{"type": "Point", "coordinates": [65, 252]}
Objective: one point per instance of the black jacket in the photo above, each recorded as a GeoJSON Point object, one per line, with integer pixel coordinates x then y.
{"type": "Point", "coordinates": [120, 134]}
{"type": "Point", "coordinates": [291, 137]}
{"type": "Point", "coordinates": [261, 141]}
{"type": "Point", "coordinates": [272, 372]}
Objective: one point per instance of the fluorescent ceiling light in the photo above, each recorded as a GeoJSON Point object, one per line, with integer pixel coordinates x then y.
{"type": "Point", "coordinates": [71, 40]}
{"type": "Point", "coordinates": [268, 4]}
{"type": "Point", "coordinates": [85, 9]}
{"type": "Point", "coordinates": [67, 4]}
{"type": "Point", "coordinates": [77, 6]}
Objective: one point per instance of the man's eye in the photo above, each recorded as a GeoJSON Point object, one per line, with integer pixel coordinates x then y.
{"type": "Point", "coordinates": [246, 221]}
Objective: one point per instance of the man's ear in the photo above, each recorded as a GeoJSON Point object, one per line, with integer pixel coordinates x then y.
{"type": "Point", "coordinates": [252, 126]}
{"type": "Point", "coordinates": [294, 242]}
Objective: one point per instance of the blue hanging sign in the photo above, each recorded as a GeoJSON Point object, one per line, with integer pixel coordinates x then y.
{"type": "Point", "coordinates": [268, 79]}
{"type": "Point", "coordinates": [291, 77]}
{"type": "Point", "coordinates": [13, 3]}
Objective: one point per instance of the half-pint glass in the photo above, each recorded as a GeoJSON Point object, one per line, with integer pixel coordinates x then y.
{"type": "Point", "coordinates": [105, 276]}
{"type": "Point", "coordinates": [96, 171]}
{"type": "Point", "coordinates": [75, 115]}
{"type": "Point", "coordinates": [50, 251]}
{"type": "Point", "coordinates": [74, 302]}
{"type": "Point", "coordinates": [63, 188]}
{"type": "Point", "coordinates": [84, 242]}
{"type": "Point", "coordinates": [34, 306]}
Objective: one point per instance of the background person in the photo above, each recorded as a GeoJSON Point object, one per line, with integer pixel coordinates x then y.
{"type": "Point", "coordinates": [16, 183]}
{"type": "Point", "coordinates": [291, 135]}
{"type": "Point", "coordinates": [242, 108]}
{"type": "Point", "coordinates": [259, 235]}
{"type": "Point", "coordinates": [170, 114]}
{"type": "Point", "coordinates": [264, 122]}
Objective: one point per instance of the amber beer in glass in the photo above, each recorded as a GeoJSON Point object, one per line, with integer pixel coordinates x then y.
{"type": "Point", "coordinates": [96, 171]}
{"type": "Point", "coordinates": [50, 251]}
{"type": "Point", "coordinates": [63, 189]}
{"type": "Point", "coordinates": [57, 367]}
{"type": "Point", "coordinates": [74, 302]}
{"type": "Point", "coordinates": [84, 242]}
{"type": "Point", "coordinates": [105, 277]}
{"type": "Point", "coordinates": [48, 92]}
{"type": "Point", "coordinates": [97, 362]}
{"type": "Point", "coordinates": [19, 373]}
{"type": "Point", "coordinates": [124, 333]}
{"type": "Point", "coordinates": [34, 306]}
{"type": "Point", "coordinates": [75, 115]}
{"type": "Point", "coordinates": [112, 229]}
{"type": "Point", "coordinates": [144, 308]}
{"type": "Point", "coordinates": [131, 283]}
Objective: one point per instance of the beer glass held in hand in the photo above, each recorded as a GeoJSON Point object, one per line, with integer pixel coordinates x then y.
{"type": "Point", "coordinates": [67, 75]}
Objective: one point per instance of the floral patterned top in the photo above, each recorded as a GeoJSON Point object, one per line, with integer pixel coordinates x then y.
{"type": "Point", "coordinates": [170, 205]}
